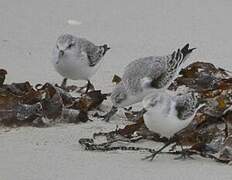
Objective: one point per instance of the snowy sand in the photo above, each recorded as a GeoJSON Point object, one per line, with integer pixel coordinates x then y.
{"type": "Point", "coordinates": [133, 29]}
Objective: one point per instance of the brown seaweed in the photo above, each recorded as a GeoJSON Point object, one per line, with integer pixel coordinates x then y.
{"type": "Point", "coordinates": [89, 101]}
{"type": "Point", "coordinates": [22, 104]}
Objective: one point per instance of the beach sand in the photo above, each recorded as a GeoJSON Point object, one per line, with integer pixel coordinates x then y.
{"type": "Point", "coordinates": [132, 29]}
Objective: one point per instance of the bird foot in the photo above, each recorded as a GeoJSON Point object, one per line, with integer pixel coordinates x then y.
{"type": "Point", "coordinates": [89, 86]}
{"type": "Point", "coordinates": [97, 115]}
{"type": "Point", "coordinates": [106, 117]}
{"type": "Point", "coordinates": [185, 154]}
{"type": "Point", "coordinates": [151, 157]}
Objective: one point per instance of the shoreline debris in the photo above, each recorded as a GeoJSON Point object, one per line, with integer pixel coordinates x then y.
{"type": "Point", "coordinates": [210, 132]}
{"type": "Point", "coordinates": [23, 105]}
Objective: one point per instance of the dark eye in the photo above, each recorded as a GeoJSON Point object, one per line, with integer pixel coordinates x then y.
{"type": "Point", "coordinates": [70, 45]}
{"type": "Point", "coordinates": [57, 46]}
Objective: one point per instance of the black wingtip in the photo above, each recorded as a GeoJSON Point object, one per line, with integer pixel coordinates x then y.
{"type": "Point", "coordinates": [185, 50]}
{"type": "Point", "coordinates": [106, 48]}
{"type": "Point", "coordinates": [192, 49]}
{"type": "Point", "coordinates": [186, 46]}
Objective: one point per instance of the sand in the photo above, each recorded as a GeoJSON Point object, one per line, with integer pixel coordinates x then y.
{"type": "Point", "coordinates": [133, 29]}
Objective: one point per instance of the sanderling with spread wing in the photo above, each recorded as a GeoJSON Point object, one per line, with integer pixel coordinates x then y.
{"type": "Point", "coordinates": [144, 75]}
{"type": "Point", "coordinates": [77, 58]}
{"type": "Point", "coordinates": [168, 114]}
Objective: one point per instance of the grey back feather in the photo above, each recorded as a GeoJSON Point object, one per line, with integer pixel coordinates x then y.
{"type": "Point", "coordinates": [151, 67]}
{"type": "Point", "coordinates": [174, 61]}
{"type": "Point", "coordinates": [185, 105]}
{"type": "Point", "coordinates": [94, 53]}
{"type": "Point", "coordinates": [119, 94]}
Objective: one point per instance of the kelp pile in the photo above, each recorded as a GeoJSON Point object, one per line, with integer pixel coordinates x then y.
{"type": "Point", "coordinates": [210, 133]}
{"type": "Point", "coordinates": [21, 104]}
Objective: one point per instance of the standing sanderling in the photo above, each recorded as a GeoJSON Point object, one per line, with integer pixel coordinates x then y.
{"type": "Point", "coordinates": [144, 75]}
{"type": "Point", "coordinates": [77, 58]}
{"type": "Point", "coordinates": [168, 114]}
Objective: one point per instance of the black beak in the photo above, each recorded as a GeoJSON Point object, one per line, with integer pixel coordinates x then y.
{"type": "Point", "coordinates": [143, 111]}
{"type": "Point", "coordinates": [106, 48]}
{"type": "Point", "coordinates": [61, 53]}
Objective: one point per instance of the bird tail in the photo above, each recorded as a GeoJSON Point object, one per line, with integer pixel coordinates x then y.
{"type": "Point", "coordinates": [104, 48]}
{"type": "Point", "coordinates": [179, 56]}
{"type": "Point", "coordinates": [186, 51]}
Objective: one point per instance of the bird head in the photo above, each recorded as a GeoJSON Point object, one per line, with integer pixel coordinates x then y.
{"type": "Point", "coordinates": [119, 95]}
{"type": "Point", "coordinates": [65, 42]}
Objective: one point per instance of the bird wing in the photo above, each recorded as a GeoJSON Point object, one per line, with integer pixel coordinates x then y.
{"type": "Point", "coordinates": [185, 105]}
{"type": "Point", "coordinates": [174, 62]}
{"type": "Point", "coordinates": [94, 53]}
{"type": "Point", "coordinates": [149, 67]}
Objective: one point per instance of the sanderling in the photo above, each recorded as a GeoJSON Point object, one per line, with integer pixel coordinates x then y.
{"type": "Point", "coordinates": [144, 75]}
{"type": "Point", "coordinates": [77, 58]}
{"type": "Point", "coordinates": [168, 114]}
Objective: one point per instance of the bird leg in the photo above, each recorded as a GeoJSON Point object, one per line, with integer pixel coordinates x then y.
{"type": "Point", "coordinates": [152, 156]}
{"type": "Point", "coordinates": [88, 86]}
{"type": "Point", "coordinates": [185, 153]}
{"type": "Point", "coordinates": [64, 83]}
{"type": "Point", "coordinates": [108, 115]}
